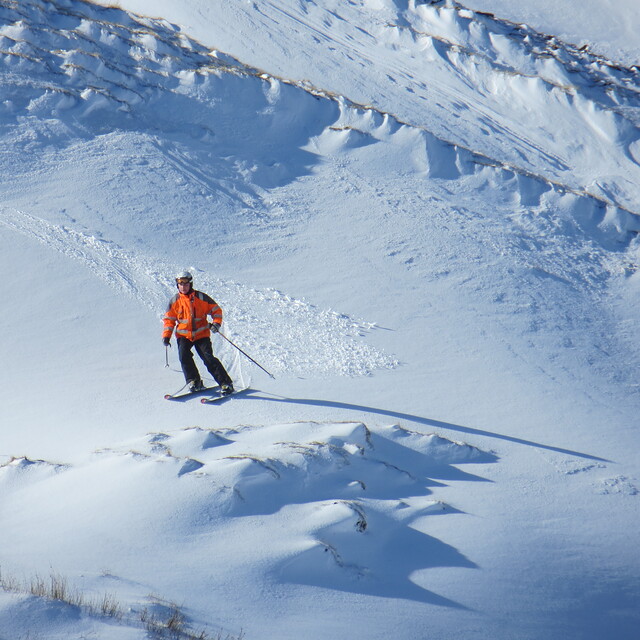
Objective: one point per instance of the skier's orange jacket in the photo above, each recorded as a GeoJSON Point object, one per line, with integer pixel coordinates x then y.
{"type": "Point", "coordinates": [189, 311]}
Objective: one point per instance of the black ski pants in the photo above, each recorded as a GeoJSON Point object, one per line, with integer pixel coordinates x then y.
{"type": "Point", "coordinates": [205, 351]}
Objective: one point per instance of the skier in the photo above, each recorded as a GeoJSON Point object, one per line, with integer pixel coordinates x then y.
{"type": "Point", "coordinates": [189, 310]}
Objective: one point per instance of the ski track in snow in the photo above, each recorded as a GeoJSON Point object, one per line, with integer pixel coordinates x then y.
{"type": "Point", "coordinates": [303, 340]}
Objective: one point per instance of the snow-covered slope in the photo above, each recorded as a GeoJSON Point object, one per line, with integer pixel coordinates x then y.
{"type": "Point", "coordinates": [610, 27]}
{"type": "Point", "coordinates": [423, 220]}
{"type": "Point", "coordinates": [490, 85]}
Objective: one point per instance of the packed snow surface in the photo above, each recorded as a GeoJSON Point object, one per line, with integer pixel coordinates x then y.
{"type": "Point", "coordinates": [422, 219]}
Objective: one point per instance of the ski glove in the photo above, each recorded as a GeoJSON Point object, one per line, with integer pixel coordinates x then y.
{"type": "Point", "coordinates": [166, 342]}
{"type": "Point", "coordinates": [214, 327]}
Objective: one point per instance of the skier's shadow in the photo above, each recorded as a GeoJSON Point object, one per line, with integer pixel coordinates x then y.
{"type": "Point", "coordinates": [438, 424]}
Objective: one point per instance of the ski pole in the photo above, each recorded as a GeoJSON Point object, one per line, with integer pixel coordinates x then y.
{"type": "Point", "coordinates": [245, 354]}
{"type": "Point", "coordinates": [166, 356]}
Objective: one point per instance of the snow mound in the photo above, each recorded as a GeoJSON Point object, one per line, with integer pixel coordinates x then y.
{"type": "Point", "coordinates": [57, 620]}
{"type": "Point", "coordinates": [516, 50]}
{"type": "Point", "coordinates": [21, 471]}
{"type": "Point", "coordinates": [338, 503]}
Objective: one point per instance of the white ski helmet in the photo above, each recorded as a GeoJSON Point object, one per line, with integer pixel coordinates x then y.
{"type": "Point", "coordinates": [184, 275]}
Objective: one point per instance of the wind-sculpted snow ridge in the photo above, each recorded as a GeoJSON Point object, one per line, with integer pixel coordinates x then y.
{"type": "Point", "coordinates": [435, 158]}
{"type": "Point", "coordinates": [518, 50]}
{"type": "Point", "coordinates": [502, 90]}
{"type": "Point", "coordinates": [566, 113]}
{"type": "Point", "coordinates": [327, 504]}
{"type": "Point", "coordinates": [18, 472]}
{"type": "Point", "coordinates": [301, 338]}
{"type": "Point", "coordinates": [75, 63]}
{"type": "Point", "coordinates": [78, 63]}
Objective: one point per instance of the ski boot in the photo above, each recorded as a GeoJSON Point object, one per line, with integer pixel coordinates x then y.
{"type": "Point", "coordinates": [195, 385]}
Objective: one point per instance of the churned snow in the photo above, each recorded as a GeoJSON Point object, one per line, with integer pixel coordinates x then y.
{"type": "Point", "coordinates": [422, 219]}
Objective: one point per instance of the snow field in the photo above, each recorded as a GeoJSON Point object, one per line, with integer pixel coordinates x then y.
{"type": "Point", "coordinates": [419, 217]}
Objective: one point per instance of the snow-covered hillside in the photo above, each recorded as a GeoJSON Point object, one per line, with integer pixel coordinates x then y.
{"type": "Point", "coordinates": [421, 219]}
{"type": "Point", "coordinates": [487, 84]}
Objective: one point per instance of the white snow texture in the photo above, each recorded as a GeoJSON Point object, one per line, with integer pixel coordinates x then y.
{"type": "Point", "coordinates": [422, 218]}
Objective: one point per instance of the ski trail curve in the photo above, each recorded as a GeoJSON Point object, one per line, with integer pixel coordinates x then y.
{"type": "Point", "coordinates": [284, 333]}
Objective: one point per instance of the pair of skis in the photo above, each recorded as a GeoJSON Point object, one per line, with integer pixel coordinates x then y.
{"type": "Point", "coordinates": [181, 394]}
